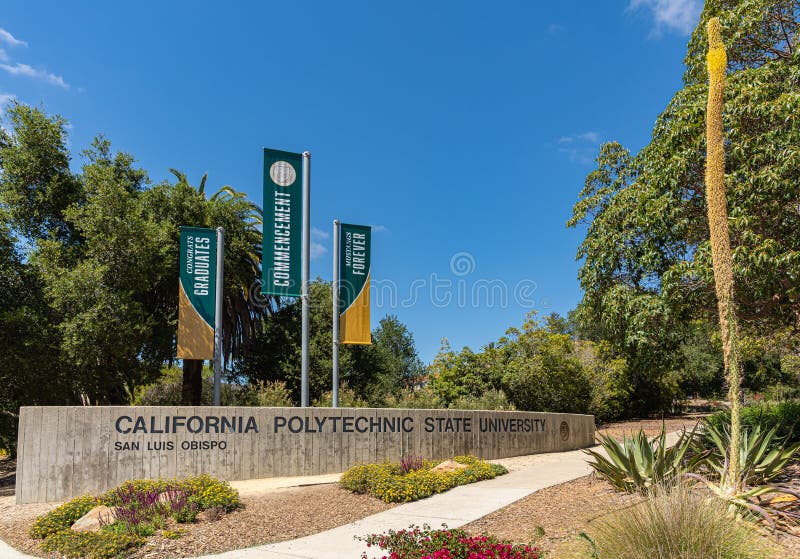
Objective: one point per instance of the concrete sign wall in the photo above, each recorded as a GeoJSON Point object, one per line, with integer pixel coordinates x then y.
{"type": "Point", "coordinates": [64, 452]}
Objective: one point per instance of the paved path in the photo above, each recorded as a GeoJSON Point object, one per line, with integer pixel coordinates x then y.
{"type": "Point", "coordinates": [455, 508]}
{"type": "Point", "coordinates": [459, 506]}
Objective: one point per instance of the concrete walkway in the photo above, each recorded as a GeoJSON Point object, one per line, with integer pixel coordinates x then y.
{"type": "Point", "coordinates": [457, 507]}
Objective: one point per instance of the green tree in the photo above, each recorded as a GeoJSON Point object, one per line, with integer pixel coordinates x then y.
{"type": "Point", "coordinates": [31, 369]}
{"type": "Point", "coordinates": [103, 246]}
{"type": "Point", "coordinates": [542, 371]}
{"type": "Point", "coordinates": [646, 259]}
{"type": "Point", "coordinates": [463, 374]}
{"type": "Point", "coordinates": [173, 205]}
{"type": "Point", "coordinates": [372, 372]}
{"type": "Point", "coordinates": [36, 184]}
{"type": "Point", "coordinates": [405, 366]}
{"type": "Point", "coordinates": [534, 368]}
{"type": "Point", "coordinates": [100, 286]}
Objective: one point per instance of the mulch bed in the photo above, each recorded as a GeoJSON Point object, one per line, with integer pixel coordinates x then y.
{"type": "Point", "coordinates": [277, 516]}
{"type": "Point", "coordinates": [553, 515]}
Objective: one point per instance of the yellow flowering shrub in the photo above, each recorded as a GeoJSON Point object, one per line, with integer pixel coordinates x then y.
{"type": "Point", "coordinates": [206, 491]}
{"type": "Point", "coordinates": [387, 482]}
{"type": "Point", "coordinates": [64, 515]}
{"type": "Point", "coordinates": [209, 492]}
{"type": "Point", "coordinates": [90, 545]}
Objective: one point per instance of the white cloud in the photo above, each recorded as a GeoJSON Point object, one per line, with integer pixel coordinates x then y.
{"type": "Point", "coordinates": [9, 39]}
{"type": "Point", "coordinates": [5, 99]}
{"type": "Point", "coordinates": [589, 136]}
{"type": "Point", "coordinates": [676, 15]}
{"type": "Point", "coordinates": [581, 148]}
{"type": "Point", "coordinates": [317, 250]}
{"type": "Point", "coordinates": [4, 56]}
{"type": "Point", "coordinates": [379, 228]}
{"type": "Point", "coordinates": [319, 234]}
{"type": "Point", "coordinates": [19, 69]}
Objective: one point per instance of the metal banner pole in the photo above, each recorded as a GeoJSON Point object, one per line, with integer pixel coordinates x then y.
{"type": "Point", "coordinates": [218, 316]}
{"type": "Point", "coordinates": [304, 296]}
{"type": "Point", "coordinates": [336, 249]}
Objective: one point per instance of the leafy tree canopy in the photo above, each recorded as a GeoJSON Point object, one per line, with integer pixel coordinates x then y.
{"type": "Point", "coordinates": [646, 264]}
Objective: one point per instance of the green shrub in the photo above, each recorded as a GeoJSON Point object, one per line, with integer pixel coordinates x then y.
{"type": "Point", "coordinates": [676, 523]}
{"type": "Point", "coordinates": [489, 400]}
{"type": "Point", "coordinates": [209, 492]}
{"type": "Point", "coordinates": [423, 398]}
{"type": "Point", "coordinates": [361, 477]}
{"type": "Point", "coordinates": [166, 391]}
{"type": "Point", "coordinates": [270, 394]}
{"type": "Point", "coordinates": [54, 529]}
{"type": "Point", "coordinates": [205, 491]}
{"type": "Point", "coordinates": [609, 377]}
{"type": "Point", "coordinates": [784, 414]}
{"type": "Point", "coordinates": [348, 398]}
{"type": "Point", "coordinates": [186, 514]}
{"type": "Point", "coordinates": [387, 482]}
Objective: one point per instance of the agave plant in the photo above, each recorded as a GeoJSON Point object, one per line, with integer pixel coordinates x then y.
{"type": "Point", "coordinates": [763, 455]}
{"type": "Point", "coordinates": [637, 463]}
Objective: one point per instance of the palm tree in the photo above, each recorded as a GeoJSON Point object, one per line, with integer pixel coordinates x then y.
{"type": "Point", "coordinates": [243, 308]}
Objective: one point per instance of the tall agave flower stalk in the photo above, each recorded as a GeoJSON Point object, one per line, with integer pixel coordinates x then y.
{"type": "Point", "coordinates": [720, 241]}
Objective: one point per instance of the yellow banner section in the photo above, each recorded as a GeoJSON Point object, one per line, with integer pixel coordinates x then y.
{"type": "Point", "coordinates": [195, 336]}
{"type": "Point", "coordinates": [354, 322]}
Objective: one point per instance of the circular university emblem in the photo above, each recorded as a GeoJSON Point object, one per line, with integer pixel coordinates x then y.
{"type": "Point", "coordinates": [282, 173]}
{"type": "Point", "coordinates": [564, 431]}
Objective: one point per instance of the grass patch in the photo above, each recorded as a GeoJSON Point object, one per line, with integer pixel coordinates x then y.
{"type": "Point", "coordinates": [396, 483]}
{"type": "Point", "coordinates": [675, 523]}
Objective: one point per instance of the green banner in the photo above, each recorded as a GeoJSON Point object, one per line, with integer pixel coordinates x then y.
{"type": "Point", "coordinates": [283, 223]}
{"type": "Point", "coordinates": [354, 281]}
{"type": "Point", "coordinates": [197, 293]}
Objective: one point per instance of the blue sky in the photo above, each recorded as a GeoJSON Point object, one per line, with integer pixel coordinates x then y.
{"type": "Point", "coordinates": [461, 130]}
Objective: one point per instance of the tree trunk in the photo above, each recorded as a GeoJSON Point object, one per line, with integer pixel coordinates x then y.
{"type": "Point", "coordinates": [192, 389]}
